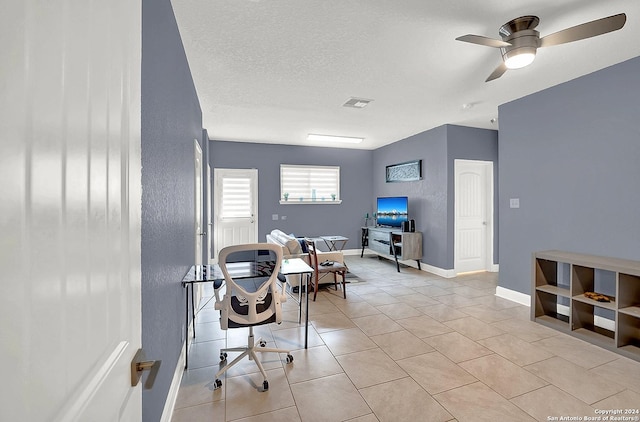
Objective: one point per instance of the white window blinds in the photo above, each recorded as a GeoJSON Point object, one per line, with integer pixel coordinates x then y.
{"type": "Point", "coordinates": [309, 183]}
{"type": "Point", "coordinates": [236, 198]}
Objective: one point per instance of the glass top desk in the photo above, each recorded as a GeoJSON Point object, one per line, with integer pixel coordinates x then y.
{"type": "Point", "coordinates": [239, 270]}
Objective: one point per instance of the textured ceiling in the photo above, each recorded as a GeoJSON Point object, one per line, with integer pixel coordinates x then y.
{"type": "Point", "coordinates": [275, 70]}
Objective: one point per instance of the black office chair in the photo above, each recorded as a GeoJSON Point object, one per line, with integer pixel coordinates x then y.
{"type": "Point", "coordinates": [253, 297]}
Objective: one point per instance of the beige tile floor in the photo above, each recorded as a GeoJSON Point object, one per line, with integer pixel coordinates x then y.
{"type": "Point", "coordinates": [407, 346]}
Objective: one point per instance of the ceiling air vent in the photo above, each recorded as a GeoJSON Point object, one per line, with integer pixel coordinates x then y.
{"type": "Point", "coordinates": [356, 102]}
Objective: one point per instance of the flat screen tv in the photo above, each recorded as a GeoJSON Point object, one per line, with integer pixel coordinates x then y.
{"type": "Point", "coordinates": [392, 211]}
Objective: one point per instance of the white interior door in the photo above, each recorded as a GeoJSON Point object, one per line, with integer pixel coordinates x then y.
{"type": "Point", "coordinates": [235, 207]}
{"type": "Point", "coordinates": [198, 232]}
{"type": "Point", "coordinates": [473, 215]}
{"type": "Point", "coordinates": [70, 211]}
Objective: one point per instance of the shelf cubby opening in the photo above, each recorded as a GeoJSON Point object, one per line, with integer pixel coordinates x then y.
{"type": "Point", "coordinates": [629, 335]}
{"type": "Point", "coordinates": [546, 272]}
{"type": "Point", "coordinates": [582, 279]}
{"type": "Point", "coordinates": [548, 305]}
{"type": "Point", "coordinates": [593, 318]}
{"type": "Point", "coordinates": [629, 291]}
{"type": "Point", "coordinates": [633, 311]}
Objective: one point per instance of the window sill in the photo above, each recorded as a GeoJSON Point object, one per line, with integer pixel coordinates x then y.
{"type": "Point", "coordinates": [310, 202]}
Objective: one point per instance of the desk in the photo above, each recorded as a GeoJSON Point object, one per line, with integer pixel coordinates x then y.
{"type": "Point", "coordinates": [239, 270]}
{"type": "Point", "coordinates": [298, 266]}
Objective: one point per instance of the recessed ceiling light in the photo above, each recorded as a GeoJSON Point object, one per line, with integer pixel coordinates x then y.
{"type": "Point", "coordinates": [331, 138]}
{"type": "Point", "coordinates": [357, 102]}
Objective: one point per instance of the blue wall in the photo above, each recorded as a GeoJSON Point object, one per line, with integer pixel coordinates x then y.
{"type": "Point", "coordinates": [303, 220]}
{"type": "Point", "coordinates": [431, 200]}
{"type": "Point", "coordinates": [171, 120]}
{"type": "Point", "coordinates": [571, 154]}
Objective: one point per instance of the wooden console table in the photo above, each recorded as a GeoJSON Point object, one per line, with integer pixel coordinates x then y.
{"type": "Point", "coordinates": [392, 243]}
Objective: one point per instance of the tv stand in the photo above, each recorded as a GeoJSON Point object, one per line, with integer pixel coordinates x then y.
{"type": "Point", "coordinates": [392, 243]}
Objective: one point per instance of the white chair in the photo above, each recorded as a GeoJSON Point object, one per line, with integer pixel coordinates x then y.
{"type": "Point", "coordinates": [253, 297]}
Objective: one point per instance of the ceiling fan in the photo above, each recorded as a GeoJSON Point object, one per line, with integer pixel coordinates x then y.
{"type": "Point", "coordinates": [520, 40]}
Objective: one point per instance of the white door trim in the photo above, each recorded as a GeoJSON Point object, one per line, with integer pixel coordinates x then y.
{"type": "Point", "coordinates": [197, 201]}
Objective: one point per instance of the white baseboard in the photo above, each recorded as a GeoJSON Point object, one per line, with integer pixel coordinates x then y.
{"type": "Point", "coordinates": [437, 270]}
{"type": "Point", "coordinates": [512, 295]}
{"type": "Point", "coordinates": [412, 263]}
{"type": "Point", "coordinates": [352, 251]}
{"type": "Point", "coordinates": [495, 268]}
{"type": "Point", "coordinates": [172, 396]}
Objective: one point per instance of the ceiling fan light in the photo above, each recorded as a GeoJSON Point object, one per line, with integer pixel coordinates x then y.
{"type": "Point", "coordinates": [519, 58]}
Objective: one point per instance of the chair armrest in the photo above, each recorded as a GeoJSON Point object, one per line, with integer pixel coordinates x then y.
{"type": "Point", "coordinates": [217, 285]}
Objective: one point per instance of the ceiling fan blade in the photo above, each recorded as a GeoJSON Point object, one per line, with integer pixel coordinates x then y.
{"type": "Point", "coordinates": [478, 39]}
{"type": "Point", "coordinates": [499, 71]}
{"type": "Point", "coordinates": [585, 30]}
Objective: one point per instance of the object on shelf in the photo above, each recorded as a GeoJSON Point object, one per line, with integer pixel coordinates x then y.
{"type": "Point", "coordinates": [599, 297]}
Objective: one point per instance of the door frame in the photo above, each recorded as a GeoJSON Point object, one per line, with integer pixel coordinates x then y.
{"type": "Point", "coordinates": [489, 211]}
{"type": "Point", "coordinates": [198, 201]}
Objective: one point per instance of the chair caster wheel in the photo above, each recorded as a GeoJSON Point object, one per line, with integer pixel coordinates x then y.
{"type": "Point", "coordinates": [263, 343]}
{"type": "Point", "coordinates": [223, 356]}
{"type": "Point", "coordinates": [265, 385]}
{"type": "Point", "coordinates": [289, 358]}
{"type": "Point", "coordinates": [217, 384]}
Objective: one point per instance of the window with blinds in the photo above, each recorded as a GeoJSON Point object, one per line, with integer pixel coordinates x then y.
{"type": "Point", "coordinates": [314, 184]}
{"type": "Point", "coordinates": [236, 198]}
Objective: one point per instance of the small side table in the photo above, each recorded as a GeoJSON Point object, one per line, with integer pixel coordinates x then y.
{"type": "Point", "coordinates": [335, 243]}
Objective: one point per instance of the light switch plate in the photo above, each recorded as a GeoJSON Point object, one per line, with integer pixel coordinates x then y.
{"type": "Point", "coordinates": [514, 203]}
{"type": "Point", "coordinates": [274, 217]}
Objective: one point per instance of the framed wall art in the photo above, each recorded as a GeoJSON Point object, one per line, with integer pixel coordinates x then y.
{"type": "Point", "coordinates": [404, 172]}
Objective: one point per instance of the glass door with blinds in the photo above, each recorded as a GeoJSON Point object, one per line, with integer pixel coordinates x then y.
{"type": "Point", "coordinates": [235, 207]}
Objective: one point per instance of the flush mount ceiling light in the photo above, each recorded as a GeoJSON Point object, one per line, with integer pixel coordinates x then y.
{"type": "Point", "coordinates": [331, 138]}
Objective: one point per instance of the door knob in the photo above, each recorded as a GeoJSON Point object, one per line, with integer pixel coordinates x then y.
{"type": "Point", "coordinates": [140, 364]}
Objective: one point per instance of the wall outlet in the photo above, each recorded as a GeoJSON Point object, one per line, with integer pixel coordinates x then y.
{"type": "Point", "coordinates": [274, 217]}
{"type": "Point", "coordinates": [283, 217]}
{"type": "Point", "coordinates": [514, 203]}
